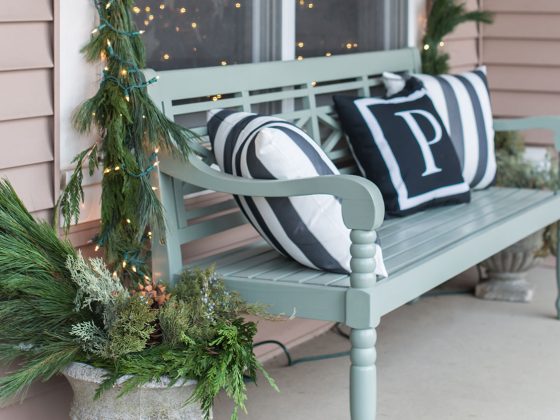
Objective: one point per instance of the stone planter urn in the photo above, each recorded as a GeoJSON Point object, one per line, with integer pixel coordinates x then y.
{"type": "Point", "coordinates": [151, 401]}
{"type": "Point", "coordinates": [507, 271]}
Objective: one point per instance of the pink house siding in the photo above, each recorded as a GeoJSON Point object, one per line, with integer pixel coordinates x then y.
{"type": "Point", "coordinates": [28, 134]}
{"type": "Point", "coordinates": [463, 44]}
{"type": "Point", "coordinates": [522, 52]}
{"type": "Point", "coordinates": [27, 105]}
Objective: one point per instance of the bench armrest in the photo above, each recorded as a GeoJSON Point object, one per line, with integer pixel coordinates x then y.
{"type": "Point", "coordinates": [551, 123]}
{"type": "Point", "coordinates": [362, 203]}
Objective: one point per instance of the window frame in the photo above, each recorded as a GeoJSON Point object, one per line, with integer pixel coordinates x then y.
{"type": "Point", "coordinates": [393, 33]}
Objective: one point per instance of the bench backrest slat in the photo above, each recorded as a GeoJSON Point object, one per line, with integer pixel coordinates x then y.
{"type": "Point", "coordinates": [299, 91]}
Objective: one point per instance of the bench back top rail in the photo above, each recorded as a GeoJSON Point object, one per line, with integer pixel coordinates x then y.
{"type": "Point", "coordinates": [298, 91]}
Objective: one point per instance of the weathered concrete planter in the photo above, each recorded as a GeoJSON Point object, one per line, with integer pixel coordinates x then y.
{"type": "Point", "coordinates": [507, 271]}
{"type": "Point", "coordinates": [152, 401]}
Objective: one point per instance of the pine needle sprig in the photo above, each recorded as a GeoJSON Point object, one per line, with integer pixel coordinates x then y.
{"type": "Point", "coordinates": [444, 17]}
{"type": "Point", "coordinates": [36, 296]}
{"type": "Point", "coordinates": [46, 363]}
{"type": "Point", "coordinates": [132, 131]}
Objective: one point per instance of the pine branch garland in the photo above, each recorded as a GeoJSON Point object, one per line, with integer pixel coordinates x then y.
{"type": "Point", "coordinates": [132, 131]}
{"type": "Point", "coordinates": [444, 17]}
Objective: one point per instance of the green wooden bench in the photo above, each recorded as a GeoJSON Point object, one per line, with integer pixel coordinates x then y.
{"type": "Point", "coordinates": [421, 251]}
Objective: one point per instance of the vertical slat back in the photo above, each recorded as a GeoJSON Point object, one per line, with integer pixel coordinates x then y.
{"type": "Point", "coordinates": [298, 91]}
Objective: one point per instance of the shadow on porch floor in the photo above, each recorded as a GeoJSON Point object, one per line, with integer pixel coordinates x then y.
{"type": "Point", "coordinates": [448, 357]}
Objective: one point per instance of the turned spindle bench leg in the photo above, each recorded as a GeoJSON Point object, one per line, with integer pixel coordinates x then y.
{"type": "Point", "coordinates": [363, 375]}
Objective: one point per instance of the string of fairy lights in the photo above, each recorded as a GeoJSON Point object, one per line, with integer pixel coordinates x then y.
{"type": "Point", "coordinates": [191, 18]}
{"type": "Point", "coordinates": [126, 68]}
{"type": "Point", "coordinates": [124, 74]}
{"type": "Point", "coordinates": [427, 46]}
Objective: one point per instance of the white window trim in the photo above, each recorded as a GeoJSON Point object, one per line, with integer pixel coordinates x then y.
{"type": "Point", "coordinates": [288, 30]}
{"type": "Point", "coordinates": [416, 21]}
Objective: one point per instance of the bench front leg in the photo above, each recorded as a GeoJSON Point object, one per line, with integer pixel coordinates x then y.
{"type": "Point", "coordinates": [363, 372]}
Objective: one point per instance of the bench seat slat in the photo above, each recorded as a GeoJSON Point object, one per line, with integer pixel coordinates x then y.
{"type": "Point", "coordinates": [395, 224]}
{"type": "Point", "coordinates": [426, 244]}
{"type": "Point", "coordinates": [406, 241]}
{"type": "Point", "coordinates": [257, 271]}
{"type": "Point", "coordinates": [480, 195]}
{"type": "Point", "coordinates": [238, 254]}
{"type": "Point", "coordinates": [428, 226]}
{"type": "Point", "coordinates": [288, 268]}
{"type": "Point", "coordinates": [327, 279]}
{"type": "Point", "coordinates": [251, 262]}
{"type": "Point", "coordinates": [300, 276]}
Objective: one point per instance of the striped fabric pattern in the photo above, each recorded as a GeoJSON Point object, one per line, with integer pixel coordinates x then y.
{"type": "Point", "coordinates": [463, 103]}
{"type": "Point", "coordinates": [308, 229]}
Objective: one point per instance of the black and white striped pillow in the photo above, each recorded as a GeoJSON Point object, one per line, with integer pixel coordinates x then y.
{"type": "Point", "coordinates": [463, 103]}
{"type": "Point", "coordinates": [308, 229]}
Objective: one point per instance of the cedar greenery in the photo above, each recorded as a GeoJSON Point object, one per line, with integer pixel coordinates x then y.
{"type": "Point", "coordinates": [515, 171]}
{"type": "Point", "coordinates": [444, 17]}
{"type": "Point", "coordinates": [132, 130]}
{"type": "Point", "coordinates": [57, 308]}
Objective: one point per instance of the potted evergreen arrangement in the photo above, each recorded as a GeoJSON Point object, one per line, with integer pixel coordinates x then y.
{"type": "Point", "coordinates": [507, 269]}
{"type": "Point", "coordinates": [131, 348]}
{"type": "Point", "coordinates": [163, 346]}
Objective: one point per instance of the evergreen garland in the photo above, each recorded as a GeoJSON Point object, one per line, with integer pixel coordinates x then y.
{"type": "Point", "coordinates": [132, 131]}
{"type": "Point", "coordinates": [444, 17]}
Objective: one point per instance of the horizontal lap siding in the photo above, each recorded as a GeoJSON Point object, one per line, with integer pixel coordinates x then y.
{"type": "Point", "coordinates": [29, 152]}
{"type": "Point", "coordinates": [463, 44]}
{"type": "Point", "coordinates": [26, 94]}
{"type": "Point", "coordinates": [27, 103]}
{"type": "Point", "coordinates": [523, 6]}
{"type": "Point", "coordinates": [27, 11]}
{"type": "Point", "coordinates": [521, 50]}
{"type": "Point", "coordinates": [26, 45]}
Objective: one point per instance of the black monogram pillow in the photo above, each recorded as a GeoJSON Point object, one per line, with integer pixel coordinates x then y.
{"type": "Point", "coordinates": [400, 143]}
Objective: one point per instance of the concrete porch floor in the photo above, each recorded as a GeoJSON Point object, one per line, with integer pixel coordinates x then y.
{"type": "Point", "coordinates": [445, 357]}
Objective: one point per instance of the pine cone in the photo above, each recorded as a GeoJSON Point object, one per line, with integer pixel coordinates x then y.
{"type": "Point", "coordinates": [154, 292]}
{"type": "Point", "coordinates": [156, 297]}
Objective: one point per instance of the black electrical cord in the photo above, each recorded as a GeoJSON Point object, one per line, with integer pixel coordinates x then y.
{"type": "Point", "coordinates": [293, 362]}
{"type": "Point", "coordinates": [341, 332]}
{"type": "Point", "coordinates": [279, 344]}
